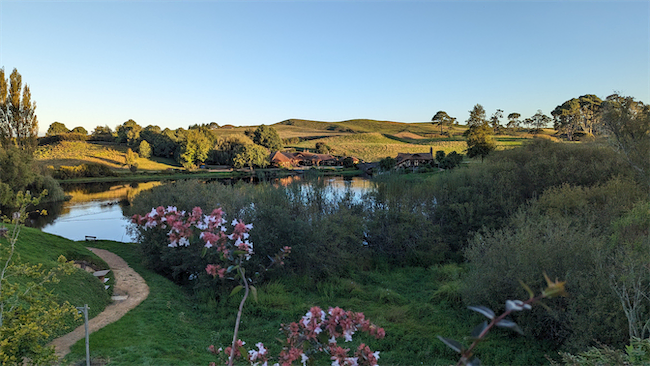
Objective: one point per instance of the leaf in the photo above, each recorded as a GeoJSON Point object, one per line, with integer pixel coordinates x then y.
{"type": "Point", "coordinates": [452, 344]}
{"type": "Point", "coordinates": [505, 323]}
{"type": "Point", "coordinates": [483, 310]}
{"type": "Point", "coordinates": [254, 293]}
{"type": "Point", "coordinates": [474, 361]}
{"type": "Point", "coordinates": [525, 286]}
{"type": "Point", "coordinates": [476, 332]}
{"type": "Point", "coordinates": [203, 252]}
{"type": "Point", "coordinates": [239, 252]}
{"type": "Point", "coordinates": [236, 290]}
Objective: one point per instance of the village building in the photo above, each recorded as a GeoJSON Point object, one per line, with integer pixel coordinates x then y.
{"type": "Point", "coordinates": [301, 158]}
{"type": "Point", "coordinates": [406, 160]}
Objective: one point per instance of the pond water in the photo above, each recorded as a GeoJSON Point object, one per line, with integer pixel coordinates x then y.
{"type": "Point", "coordinates": [97, 209]}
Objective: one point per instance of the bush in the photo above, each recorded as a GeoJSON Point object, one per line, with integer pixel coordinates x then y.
{"type": "Point", "coordinates": [487, 194]}
{"type": "Point", "coordinates": [87, 170]}
{"type": "Point", "coordinates": [71, 136]}
{"type": "Point", "coordinates": [563, 233]}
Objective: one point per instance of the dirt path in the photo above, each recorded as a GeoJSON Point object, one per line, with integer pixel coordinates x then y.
{"type": "Point", "coordinates": [129, 291]}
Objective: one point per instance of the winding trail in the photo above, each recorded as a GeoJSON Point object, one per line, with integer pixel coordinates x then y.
{"type": "Point", "coordinates": [129, 291]}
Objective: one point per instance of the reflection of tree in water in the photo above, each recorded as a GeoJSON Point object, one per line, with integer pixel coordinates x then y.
{"type": "Point", "coordinates": [53, 211]}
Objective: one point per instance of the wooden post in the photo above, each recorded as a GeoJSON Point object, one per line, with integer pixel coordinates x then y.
{"type": "Point", "coordinates": [84, 310]}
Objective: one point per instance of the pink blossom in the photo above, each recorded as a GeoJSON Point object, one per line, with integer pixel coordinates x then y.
{"type": "Point", "coordinates": [215, 270]}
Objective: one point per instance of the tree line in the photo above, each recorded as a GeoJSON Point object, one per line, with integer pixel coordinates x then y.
{"type": "Point", "coordinates": [199, 144]}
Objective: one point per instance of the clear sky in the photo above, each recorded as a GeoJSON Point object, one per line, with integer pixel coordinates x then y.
{"type": "Point", "coordinates": [176, 63]}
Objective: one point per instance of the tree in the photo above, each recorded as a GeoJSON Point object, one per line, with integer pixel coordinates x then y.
{"type": "Point", "coordinates": [626, 123]}
{"type": "Point", "coordinates": [102, 134]}
{"type": "Point", "coordinates": [538, 121]}
{"type": "Point", "coordinates": [56, 128]}
{"type": "Point", "coordinates": [268, 137]}
{"type": "Point", "coordinates": [251, 155]}
{"type": "Point", "coordinates": [577, 114]}
{"type": "Point", "coordinates": [128, 132]}
{"type": "Point", "coordinates": [476, 116]}
{"type": "Point", "coordinates": [18, 122]}
{"type": "Point", "coordinates": [80, 130]}
{"type": "Point", "coordinates": [441, 118]}
{"type": "Point", "coordinates": [387, 163]}
{"type": "Point", "coordinates": [480, 141]}
{"type": "Point", "coordinates": [195, 148]}
{"type": "Point", "coordinates": [131, 159]}
{"type": "Point", "coordinates": [513, 120]}
{"type": "Point", "coordinates": [322, 148]}
{"type": "Point", "coordinates": [144, 149]}
{"type": "Point", "coordinates": [495, 120]}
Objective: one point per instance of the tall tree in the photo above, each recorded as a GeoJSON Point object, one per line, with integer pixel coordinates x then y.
{"type": "Point", "coordinates": [56, 128]}
{"type": "Point", "coordinates": [441, 118]}
{"type": "Point", "coordinates": [268, 137]}
{"type": "Point", "coordinates": [18, 122]}
{"type": "Point", "coordinates": [495, 120]}
{"type": "Point", "coordinates": [480, 141]}
{"type": "Point", "coordinates": [513, 120]}
{"type": "Point", "coordinates": [128, 132]}
{"type": "Point", "coordinates": [626, 122]}
{"type": "Point", "coordinates": [251, 155]}
{"type": "Point", "coordinates": [577, 114]}
{"type": "Point", "coordinates": [538, 121]}
{"type": "Point", "coordinates": [476, 116]}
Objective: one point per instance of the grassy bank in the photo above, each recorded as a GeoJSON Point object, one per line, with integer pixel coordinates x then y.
{"type": "Point", "coordinates": [172, 327]}
{"type": "Point", "coordinates": [79, 288]}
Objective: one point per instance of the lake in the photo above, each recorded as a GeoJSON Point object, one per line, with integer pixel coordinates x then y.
{"type": "Point", "coordinates": [97, 209]}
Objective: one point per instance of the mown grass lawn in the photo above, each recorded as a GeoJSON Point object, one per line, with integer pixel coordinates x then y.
{"type": "Point", "coordinates": [172, 327]}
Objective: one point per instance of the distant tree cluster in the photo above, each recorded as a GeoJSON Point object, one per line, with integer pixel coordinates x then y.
{"type": "Point", "coordinates": [198, 145]}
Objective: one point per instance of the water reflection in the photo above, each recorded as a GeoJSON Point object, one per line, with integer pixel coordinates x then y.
{"type": "Point", "coordinates": [97, 209]}
{"type": "Point", "coordinates": [93, 210]}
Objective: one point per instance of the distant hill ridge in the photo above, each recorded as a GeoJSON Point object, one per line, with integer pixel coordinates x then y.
{"type": "Point", "coordinates": [360, 125]}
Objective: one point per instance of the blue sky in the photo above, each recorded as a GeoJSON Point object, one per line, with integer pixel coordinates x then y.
{"type": "Point", "coordinates": [176, 63]}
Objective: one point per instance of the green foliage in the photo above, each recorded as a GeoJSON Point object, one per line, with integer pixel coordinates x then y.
{"type": "Point", "coordinates": [480, 141]}
{"type": "Point", "coordinates": [476, 116]}
{"type": "Point", "coordinates": [486, 194]}
{"type": "Point", "coordinates": [128, 133]}
{"type": "Point", "coordinates": [18, 122]}
{"type": "Point", "coordinates": [102, 134]}
{"type": "Point", "coordinates": [322, 148]}
{"type": "Point", "coordinates": [564, 233]}
{"type": "Point", "coordinates": [194, 148]}
{"type": "Point", "coordinates": [268, 137]}
{"type": "Point", "coordinates": [441, 118]}
{"type": "Point", "coordinates": [637, 353]}
{"type": "Point", "coordinates": [16, 173]}
{"type": "Point", "coordinates": [80, 130]}
{"type": "Point", "coordinates": [56, 128]}
{"type": "Point", "coordinates": [251, 155]}
{"type": "Point", "coordinates": [144, 149]}
{"type": "Point", "coordinates": [70, 136]}
{"type": "Point", "coordinates": [82, 171]}
{"type": "Point", "coordinates": [131, 159]}
{"type": "Point", "coordinates": [626, 123]}
{"type": "Point", "coordinates": [29, 313]}
{"type": "Point", "coordinates": [387, 163]}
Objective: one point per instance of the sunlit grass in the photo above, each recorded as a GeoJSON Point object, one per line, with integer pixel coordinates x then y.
{"type": "Point", "coordinates": [73, 153]}
{"type": "Point", "coordinates": [172, 327]}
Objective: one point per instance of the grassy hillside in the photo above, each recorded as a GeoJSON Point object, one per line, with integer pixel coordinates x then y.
{"type": "Point", "coordinates": [35, 246]}
{"type": "Point", "coordinates": [72, 153]}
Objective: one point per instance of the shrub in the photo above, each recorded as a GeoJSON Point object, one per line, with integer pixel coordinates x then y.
{"type": "Point", "coordinates": [564, 233]}
{"type": "Point", "coordinates": [82, 171]}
